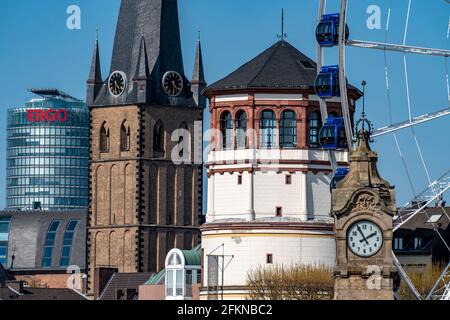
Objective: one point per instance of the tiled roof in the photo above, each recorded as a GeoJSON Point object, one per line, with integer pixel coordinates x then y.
{"type": "Point", "coordinates": [123, 281]}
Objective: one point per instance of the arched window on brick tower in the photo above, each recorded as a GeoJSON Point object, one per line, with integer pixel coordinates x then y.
{"type": "Point", "coordinates": [226, 130]}
{"type": "Point", "coordinates": [241, 130]}
{"type": "Point", "coordinates": [104, 138]}
{"type": "Point", "coordinates": [124, 137]}
{"type": "Point", "coordinates": [267, 129]}
{"type": "Point", "coordinates": [158, 137]}
{"type": "Point", "coordinates": [315, 123]}
{"type": "Point", "coordinates": [288, 129]}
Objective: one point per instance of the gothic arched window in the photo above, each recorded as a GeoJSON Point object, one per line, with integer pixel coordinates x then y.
{"type": "Point", "coordinates": [241, 130]}
{"type": "Point", "coordinates": [226, 129]}
{"type": "Point", "coordinates": [267, 129]}
{"type": "Point", "coordinates": [104, 138]}
{"type": "Point", "coordinates": [124, 137]}
{"type": "Point", "coordinates": [315, 123]}
{"type": "Point", "coordinates": [288, 129]}
{"type": "Point", "coordinates": [158, 137]}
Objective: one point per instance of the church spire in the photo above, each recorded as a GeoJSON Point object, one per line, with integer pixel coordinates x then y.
{"type": "Point", "coordinates": [142, 74]}
{"type": "Point", "coordinates": [95, 81]}
{"type": "Point", "coordinates": [154, 23]}
{"type": "Point", "coordinates": [198, 83]}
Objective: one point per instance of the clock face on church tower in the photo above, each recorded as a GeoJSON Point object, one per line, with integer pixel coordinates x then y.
{"type": "Point", "coordinates": [172, 83]}
{"type": "Point", "coordinates": [364, 238]}
{"type": "Point", "coordinates": [117, 83]}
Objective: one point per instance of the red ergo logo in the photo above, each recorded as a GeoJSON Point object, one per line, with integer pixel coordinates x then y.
{"type": "Point", "coordinates": [47, 115]}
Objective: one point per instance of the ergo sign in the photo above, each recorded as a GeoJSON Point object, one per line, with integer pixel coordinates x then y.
{"type": "Point", "coordinates": [49, 115]}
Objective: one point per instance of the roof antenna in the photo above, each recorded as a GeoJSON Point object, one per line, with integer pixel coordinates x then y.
{"type": "Point", "coordinates": [283, 34]}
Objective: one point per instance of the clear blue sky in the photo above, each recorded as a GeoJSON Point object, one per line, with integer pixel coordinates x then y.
{"type": "Point", "coordinates": [38, 50]}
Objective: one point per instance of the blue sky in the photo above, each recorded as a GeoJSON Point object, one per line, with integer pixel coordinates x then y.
{"type": "Point", "coordinates": [39, 51]}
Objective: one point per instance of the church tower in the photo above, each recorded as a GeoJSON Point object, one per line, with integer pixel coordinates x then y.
{"type": "Point", "coordinates": [142, 202]}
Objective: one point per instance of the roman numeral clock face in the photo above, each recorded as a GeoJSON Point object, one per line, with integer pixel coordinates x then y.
{"type": "Point", "coordinates": [365, 238]}
{"type": "Point", "coordinates": [172, 83]}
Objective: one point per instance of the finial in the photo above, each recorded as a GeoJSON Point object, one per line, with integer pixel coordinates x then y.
{"type": "Point", "coordinates": [142, 29]}
{"type": "Point", "coordinates": [363, 133]}
{"type": "Point", "coordinates": [283, 34]}
{"type": "Point", "coordinates": [96, 33]}
{"type": "Point", "coordinates": [199, 35]}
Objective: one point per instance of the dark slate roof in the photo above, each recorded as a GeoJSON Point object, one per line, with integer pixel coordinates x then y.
{"type": "Point", "coordinates": [27, 233]}
{"type": "Point", "coordinates": [420, 221]}
{"type": "Point", "coordinates": [40, 294]}
{"type": "Point", "coordinates": [153, 25]}
{"type": "Point", "coordinates": [123, 281]}
{"type": "Point", "coordinates": [281, 66]}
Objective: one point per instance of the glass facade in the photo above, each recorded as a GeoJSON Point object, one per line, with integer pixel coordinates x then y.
{"type": "Point", "coordinates": [48, 155]}
{"type": "Point", "coordinates": [4, 234]}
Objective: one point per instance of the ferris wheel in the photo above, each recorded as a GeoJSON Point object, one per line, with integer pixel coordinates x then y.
{"type": "Point", "coordinates": [337, 133]}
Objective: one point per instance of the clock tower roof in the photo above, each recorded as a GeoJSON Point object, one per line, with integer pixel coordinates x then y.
{"type": "Point", "coordinates": [147, 40]}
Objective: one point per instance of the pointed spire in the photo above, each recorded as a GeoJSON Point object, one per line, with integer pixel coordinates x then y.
{"type": "Point", "coordinates": [198, 75]}
{"type": "Point", "coordinates": [95, 80]}
{"type": "Point", "coordinates": [198, 83]}
{"type": "Point", "coordinates": [95, 75]}
{"type": "Point", "coordinates": [142, 70]}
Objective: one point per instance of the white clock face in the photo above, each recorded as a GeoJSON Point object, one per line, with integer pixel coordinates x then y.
{"type": "Point", "coordinates": [364, 238]}
{"type": "Point", "coordinates": [117, 83]}
{"type": "Point", "coordinates": [172, 83]}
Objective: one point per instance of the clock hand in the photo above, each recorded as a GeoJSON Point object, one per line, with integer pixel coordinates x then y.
{"type": "Point", "coordinates": [364, 238]}
{"type": "Point", "coordinates": [371, 236]}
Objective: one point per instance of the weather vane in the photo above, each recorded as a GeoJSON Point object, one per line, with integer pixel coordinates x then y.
{"type": "Point", "coordinates": [283, 35]}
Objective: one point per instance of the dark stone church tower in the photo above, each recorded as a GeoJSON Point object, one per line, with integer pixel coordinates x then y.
{"type": "Point", "coordinates": [142, 204]}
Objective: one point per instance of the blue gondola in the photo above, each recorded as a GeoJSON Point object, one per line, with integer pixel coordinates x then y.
{"type": "Point", "coordinates": [332, 135]}
{"type": "Point", "coordinates": [327, 82]}
{"type": "Point", "coordinates": [327, 32]}
{"type": "Point", "coordinates": [340, 174]}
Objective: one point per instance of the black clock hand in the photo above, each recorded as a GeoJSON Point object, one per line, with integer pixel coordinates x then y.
{"type": "Point", "coordinates": [371, 236]}
{"type": "Point", "coordinates": [364, 238]}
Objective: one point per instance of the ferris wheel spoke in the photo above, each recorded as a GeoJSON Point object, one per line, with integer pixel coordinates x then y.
{"type": "Point", "coordinates": [410, 123]}
{"type": "Point", "coordinates": [398, 48]}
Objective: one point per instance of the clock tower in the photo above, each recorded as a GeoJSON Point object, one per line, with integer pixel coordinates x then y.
{"type": "Point", "coordinates": [363, 205]}
{"type": "Point", "coordinates": [142, 202]}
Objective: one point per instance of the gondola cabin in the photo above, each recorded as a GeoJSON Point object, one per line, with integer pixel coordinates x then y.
{"type": "Point", "coordinates": [327, 32]}
{"type": "Point", "coordinates": [332, 135]}
{"type": "Point", "coordinates": [327, 82]}
{"type": "Point", "coordinates": [340, 174]}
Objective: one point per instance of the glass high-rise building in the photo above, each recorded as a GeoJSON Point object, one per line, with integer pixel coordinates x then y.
{"type": "Point", "coordinates": [48, 153]}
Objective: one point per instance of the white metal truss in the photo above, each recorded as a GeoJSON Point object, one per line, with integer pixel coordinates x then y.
{"type": "Point", "coordinates": [441, 290]}
{"type": "Point", "coordinates": [342, 75]}
{"type": "Point", "coordinates": [422, 201]}
{"type": "Point", "coordinates": [410, 123]}
{"type": "Point", "coordinates": [398, 48]}
{"type": "Point", "coordinates": [322, 102]}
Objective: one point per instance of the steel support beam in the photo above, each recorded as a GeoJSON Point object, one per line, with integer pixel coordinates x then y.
{"type": "Point", "coordinates": [398, 48]}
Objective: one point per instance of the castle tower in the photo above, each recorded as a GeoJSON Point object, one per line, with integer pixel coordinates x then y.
{"type": "Point", "coordinates": [142, 203]}
{"type": "Point", "coordinates": [268, 178]}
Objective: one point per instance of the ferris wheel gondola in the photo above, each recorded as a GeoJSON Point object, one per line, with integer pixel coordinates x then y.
{"type": "Point", "coordinates": [327, 32]}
